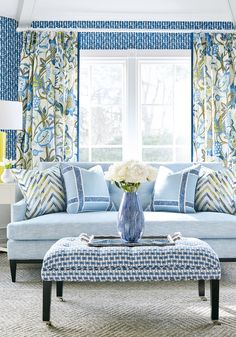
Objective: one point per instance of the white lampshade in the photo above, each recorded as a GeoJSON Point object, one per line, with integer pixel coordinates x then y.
{"type": "Point", "coordinates": [10, 115]}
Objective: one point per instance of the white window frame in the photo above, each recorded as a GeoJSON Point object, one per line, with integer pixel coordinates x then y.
{"type": "Point", "coordinates": [131, 117]}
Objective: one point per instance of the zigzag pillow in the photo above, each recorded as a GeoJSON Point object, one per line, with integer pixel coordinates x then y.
{"type": "Point", "coordinates": [43, 190]}
{"type": "Point", "coordinates": [215, 191]}
{"type": "Point", "coordinates": [86, 190]}
{"type": "Point", "coordinates": [175, 191]}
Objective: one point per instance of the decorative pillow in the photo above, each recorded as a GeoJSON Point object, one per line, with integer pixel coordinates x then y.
{"type": "Point", "coordinates": [215, 191]}
{"type": "Point", "coordinates": [175, 191]}
{"type": "Point", "coordinates": [86, 190]}
{"type": "Point", "coordinates": [43, 190]}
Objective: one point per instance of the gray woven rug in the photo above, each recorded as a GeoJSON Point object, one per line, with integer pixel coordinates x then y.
{"type": "Point", "coordinates": [113, 309]}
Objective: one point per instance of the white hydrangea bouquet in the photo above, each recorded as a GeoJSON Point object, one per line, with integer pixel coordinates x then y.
{"type": "Point", "coordinates": [130, 174]}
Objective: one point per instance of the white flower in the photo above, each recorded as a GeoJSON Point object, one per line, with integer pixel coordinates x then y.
{"type": "Point", "coordinates": [116, 172]}
{"type": "Point", "coordinates": [130, 174]}
{"type": "Point", "coordinates": [136, 173]}
{"type": "Point", "coordinates": [152, 173]}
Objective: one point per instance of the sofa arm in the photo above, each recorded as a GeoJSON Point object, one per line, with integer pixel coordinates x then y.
{"type": "Point", "coordinates": [18, 211]}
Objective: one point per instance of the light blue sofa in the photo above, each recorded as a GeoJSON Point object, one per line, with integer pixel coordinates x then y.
{"type": "Point", "coordinates": [29, 240]}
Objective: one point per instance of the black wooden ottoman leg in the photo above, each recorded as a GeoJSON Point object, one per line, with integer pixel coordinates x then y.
{"type": "Point", "coordinates": [215, 289]}
{"type": "Point", "coordinates": [201, 290]}
{"type": "Point", "coordinates": [13, 270]}
{"type": "Point", "coordinates": [47, 289]}
{"type": "Point", "coordinates": [59, 287]}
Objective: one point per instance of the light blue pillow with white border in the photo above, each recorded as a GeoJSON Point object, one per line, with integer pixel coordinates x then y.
{"type": "Point", "coordinates": [86, 190]}
{"type": "Point", "coordinates": [175, 191]}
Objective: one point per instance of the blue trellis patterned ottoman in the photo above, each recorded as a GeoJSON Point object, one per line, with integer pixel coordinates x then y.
{"type": "Point", "coordinates": [69, 259]}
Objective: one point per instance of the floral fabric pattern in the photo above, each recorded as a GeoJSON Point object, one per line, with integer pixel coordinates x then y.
{"type": "Point", "coordinates": [48, 90]}
{"type": "Point", "coordinates": [214, 97]}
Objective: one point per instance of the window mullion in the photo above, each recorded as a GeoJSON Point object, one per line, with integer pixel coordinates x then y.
{"type": "Point", "coordinates": [90, 112]}
{"type": "Point", "coordinates": [173, 114]}
{"type": "Point", "coordinates": [131, 138]}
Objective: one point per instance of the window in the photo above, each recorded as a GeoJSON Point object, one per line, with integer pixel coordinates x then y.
{"type": "Point", "coordinates": [135, 108]}
{"type": "Point", "coordinates": [165, 107]}
{"type": "Point", "coordinates": [102, 107]}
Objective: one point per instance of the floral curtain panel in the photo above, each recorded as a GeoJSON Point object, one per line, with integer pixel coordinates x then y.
{"type": "Point", "coordinates": [48, 90]}
{"type": "Point", "coordinates": [214, 97]}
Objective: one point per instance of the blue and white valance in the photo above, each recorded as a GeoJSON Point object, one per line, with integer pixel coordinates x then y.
{"type": "Point", "coordinates": [132, 39]}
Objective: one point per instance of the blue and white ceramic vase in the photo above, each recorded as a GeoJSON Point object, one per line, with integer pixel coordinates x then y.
{"type": "Point", "coordinates": [130, 218]}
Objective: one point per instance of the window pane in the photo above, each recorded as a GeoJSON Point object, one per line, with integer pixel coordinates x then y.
{"type": "Point", "coordinates": [107, 122]}
{"type": "Point", "coordinates": [157, 125]}
{"type": "Point", "coordinates": [84, 155]}
{"type": "Point", "coordinates": [84, 73]}
{"type": "Point", "coordinates": [106, 83]}
{"type": "Point", "coordinates": [182, 154]}
{"type": "Point", "coordinates": [157, 154]}
{"type": "Point", "coordinates": [102, 104]}
{"type": "Point", "coordinates": [84, 126]}
{"type": "Point", "coordinates": [106, 154]}
{"type": "Point", "coordinates": [156, 83]}
{"type": "Point", "coordinates": [182, 104]}
{"type": "Point", "coordinates": [166, 109]}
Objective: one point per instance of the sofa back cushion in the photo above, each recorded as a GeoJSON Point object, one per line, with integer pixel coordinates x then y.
{"type": "Point", "coordinates": [145, 191]}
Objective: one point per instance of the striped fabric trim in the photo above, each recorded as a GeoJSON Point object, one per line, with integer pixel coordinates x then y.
{"type": "Point", "coordinates": [79, 186]}
{"type": "Point", "coordinates": [172, 203]}
{"type": "Point", "coordinates": [89, 199]}
{"type": "Point", "coordinates": [72, 201]}
{"type": "Point", "coordinates": [97, 199]}
{"type": "Point", "coordinates": [182, 194]}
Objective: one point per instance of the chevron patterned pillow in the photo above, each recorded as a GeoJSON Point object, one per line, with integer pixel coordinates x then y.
{"type": "Point", "coordinates": [43, 190]}
{"type": "Point", "coordinates": [215, 191]}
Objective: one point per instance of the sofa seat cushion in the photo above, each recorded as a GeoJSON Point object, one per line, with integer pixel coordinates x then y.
{"type": "Point", "coordinates": [201, 225]}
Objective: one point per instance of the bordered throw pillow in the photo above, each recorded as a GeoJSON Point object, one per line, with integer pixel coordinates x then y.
{"type": "Point", "coordinates": [175, 191]}
{"type": "Point", "coordinates": [86, 190]}
{"type": "Point", "coordinates": [215, 191]}
{"type": "Point", "coordinates": [43, 190]}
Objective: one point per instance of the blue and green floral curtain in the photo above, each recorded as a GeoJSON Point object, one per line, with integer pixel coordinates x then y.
{"type": "Point", "coordinates": [214, 97]}
{"type": "Point", "coordinates": [48, 90]}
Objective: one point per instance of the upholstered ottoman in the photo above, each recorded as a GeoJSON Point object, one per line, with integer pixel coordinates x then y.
{"type": "Point", "coordinates": [69, 259]}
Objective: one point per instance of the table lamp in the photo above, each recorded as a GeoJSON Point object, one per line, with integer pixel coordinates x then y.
{"type": "Point", "coordinates": [10, 119]}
